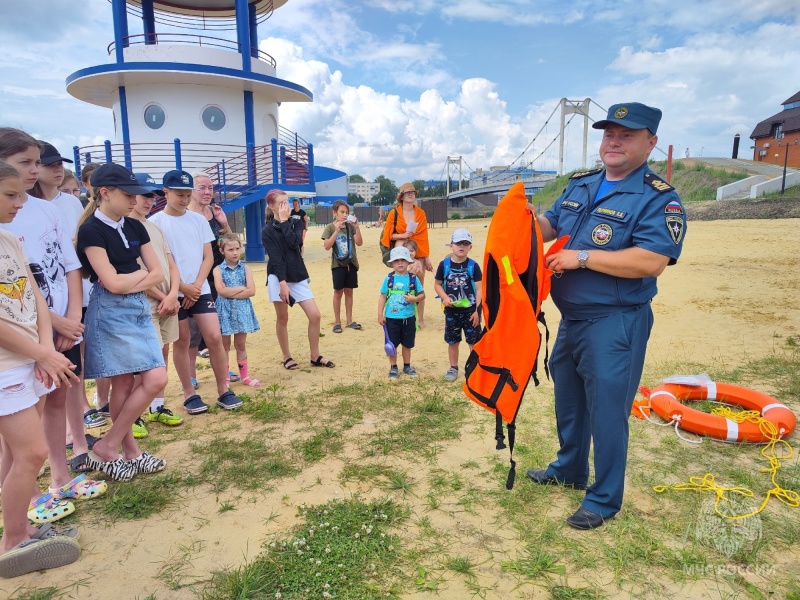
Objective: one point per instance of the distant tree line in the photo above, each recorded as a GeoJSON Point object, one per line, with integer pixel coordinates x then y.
{"type": "Point", "coordinates": [388, 190]}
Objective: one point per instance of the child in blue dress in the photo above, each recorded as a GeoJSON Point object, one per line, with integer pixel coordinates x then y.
{"type": "Point", "coordinates": [234, 282]}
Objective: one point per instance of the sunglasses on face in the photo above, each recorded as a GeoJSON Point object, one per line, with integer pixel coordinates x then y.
{"type": "Point", "coordinates": [463, 243]}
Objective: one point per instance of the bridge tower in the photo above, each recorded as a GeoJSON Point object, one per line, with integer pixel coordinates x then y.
{"type": "Point", "coordinates": [455, 163]}
{"type": "Point", "coordinates": [568, 107]}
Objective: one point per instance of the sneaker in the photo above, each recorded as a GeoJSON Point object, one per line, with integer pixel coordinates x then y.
{"type": "Point", "coordinates": [104, 411]}
{"type": "Point", "coordinates": [229, 401]}
{"type": "Point", "coordinates": [393, 375]}
{"type": "Point", "coordinates": [139, 430]}
{"type": "Point", "coordinates": [164, 416]}
{"type": "Point", "coordinates": [92, 418]}
{"type": "Point", "coordinates": [410, 371]}
{"type": "Point", "coordinates": [451, 375]}
{"type": "Point", "coordinates": [194, 405]}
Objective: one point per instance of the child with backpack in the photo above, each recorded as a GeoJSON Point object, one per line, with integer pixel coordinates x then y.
{"type": "Point", "coordinates": [400, 293]}
{"type": "Point", "coordinates": [342, 236]}
{"type": "Point", "coordinates": [457, 284]}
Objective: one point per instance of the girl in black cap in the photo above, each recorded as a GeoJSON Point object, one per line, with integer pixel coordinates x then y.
{"type": "Point", "coordinates": [120, 338]}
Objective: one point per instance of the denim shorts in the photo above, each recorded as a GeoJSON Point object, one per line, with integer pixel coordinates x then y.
{"type": "Point", "coordinates": [120, 336]}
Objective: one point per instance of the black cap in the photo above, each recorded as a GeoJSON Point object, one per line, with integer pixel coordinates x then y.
{"type": "Point", "coordinates": [114, 175]}
{"type": "Point", "coordinates": [50, 155]}
{"type": "Point", "coordinates": [148, 182]}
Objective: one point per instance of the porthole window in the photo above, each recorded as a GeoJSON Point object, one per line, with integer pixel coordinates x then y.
{"type": "Point", "coordinates": [154, 116]}
{"type": "Point", "coordinates": [213, 118]}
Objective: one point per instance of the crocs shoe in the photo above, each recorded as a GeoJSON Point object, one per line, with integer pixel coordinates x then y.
{"type": "Point", "coordinates": [229, 401]}
{"type": "Point", "coordinates": [194, 405]}
{"type": "Point", "coordinates": [46, 509]}
{"type": "Point", "coordinates": [104, 411]}
{"type": "Point", "coordinates": [45, 531]}
{"type": "Point", "coordinates": [79, 488]}
{"type": "Point", "coordinates": [37, 555]}
{"type": "Point", "coordinates": [164, 416]}
{"type": "Point", "coordinates": [147, 463]}
{"type": "Point", "coordinates": [92, 418]}
{"type": "Point", "coordinates": [118, 469]}
{"type": "Point", "coordinates": [139, 430]}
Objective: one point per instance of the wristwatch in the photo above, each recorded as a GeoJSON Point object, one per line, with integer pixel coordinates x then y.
{"type": "Point", "coordinates": [583, 256]}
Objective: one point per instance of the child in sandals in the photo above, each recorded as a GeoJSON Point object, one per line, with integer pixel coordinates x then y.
{"type": "Point", "coordinates": [235, 286]}
{"type": "Point", "coordinates": [27, 354]}
{"type": "Point", "coordinates": [341, 236]}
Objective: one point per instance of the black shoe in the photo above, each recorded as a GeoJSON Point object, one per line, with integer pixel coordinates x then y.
{"type": "Point", "coordinates": [585, 520]}
{"type": "Point", "coordinates": [541, 477]}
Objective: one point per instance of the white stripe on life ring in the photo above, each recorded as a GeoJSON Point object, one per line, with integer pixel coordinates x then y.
{"type": "Point", "coordinates": [733, 431]}
{"type": "Point", "coordinates": [711, 391]}
{"type": "Point", "coordinates": [662, 393]}
{"type": "Point", "coordinates": [771, 406]}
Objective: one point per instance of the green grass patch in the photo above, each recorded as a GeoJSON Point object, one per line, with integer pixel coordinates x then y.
{"type": "Point", "coordinates": [344, 549]}
{"type": "Point", "coordinates": [148, 496]}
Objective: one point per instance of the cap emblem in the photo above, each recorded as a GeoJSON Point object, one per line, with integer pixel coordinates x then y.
{"type": "Point", "coordinates": [621, 113]}
{"type": "Point", "coordinates": [185, 179]}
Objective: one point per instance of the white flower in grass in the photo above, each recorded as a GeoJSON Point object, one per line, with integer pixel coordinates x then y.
{"type": "Point", "coordinates": [327, 586]}
{"type": "Point", "coordinates": [357, 536]}
{"type": "Point", "coordinates": [278, 596]}
{"type": "Point", "coordinates": [327, 550]}
{"type": "Point", "coordinates": [317, 574]}
{"type": "Point", "coordinates": [318, 562]}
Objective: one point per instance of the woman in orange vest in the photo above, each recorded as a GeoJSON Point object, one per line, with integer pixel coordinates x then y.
{"type": "Point", "coordinates": [408, 222]}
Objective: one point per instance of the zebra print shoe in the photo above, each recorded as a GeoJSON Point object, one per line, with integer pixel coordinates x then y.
{"type": "Point", "coordinates": [119, 469]}
{"type": "Point", "coordinates": [146, 463]}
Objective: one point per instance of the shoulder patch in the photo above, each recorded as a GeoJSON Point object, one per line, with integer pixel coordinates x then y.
{"type": "Point", "coordinates": [580, 174]}
{"type": "Point", "coordinates": [657, 183]}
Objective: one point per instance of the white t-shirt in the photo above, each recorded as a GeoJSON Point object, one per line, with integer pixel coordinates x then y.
{"type": "Point", "coordinates": [48, 245]}
{"type": "Point", "coordinates": [71, 211]}
{"type": "Point", "coordinates": [186, 236]}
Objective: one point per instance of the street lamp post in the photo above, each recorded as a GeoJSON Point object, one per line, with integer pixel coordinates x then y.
{"type": "Point", "coordinates": [785, 161]}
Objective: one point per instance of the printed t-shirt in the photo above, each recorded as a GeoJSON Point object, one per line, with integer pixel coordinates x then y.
{"type": "Point", "coordinates": [397, 307]}
{"type": "Point", "coordinates": [48, 245]}
{"type": "Point", "coordinates": [186, 236]}
{"type": "Point", "coordinates": [459, 284]}
{"type": "Point", "coordinates": [299, 214]}
{"type": "Point", "coordinates": [17, 301]}
{"type": "Point", "coordinates": [340, 246]}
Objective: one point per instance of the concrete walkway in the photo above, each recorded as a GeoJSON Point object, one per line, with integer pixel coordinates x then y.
{"type": "Point", "coordinates": [752, 167]}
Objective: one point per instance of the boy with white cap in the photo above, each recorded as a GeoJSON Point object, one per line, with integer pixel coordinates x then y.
{"type": "Point", "coordinates": [400, 293]}
{"type": "Point", "coordinates": [457, 284]}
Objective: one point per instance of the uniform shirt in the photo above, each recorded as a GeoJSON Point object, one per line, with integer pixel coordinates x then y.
{"type": "Point", "coordinates": [641, 211]}
{"type": "Point", "coordinates": [397, 307]}
{"type": "Point", "coordinates": [344, 245]}
{"type": "Point", "coordinates": [48, 245]}
{"type": "Point", "coordinates": [95, 233]}
{"type": "Point", "coordinates": [458, 284]}
{"type": "Point", "coordinates": [17, 301]}
{"type": "Point", "coordinates": [187, 236]}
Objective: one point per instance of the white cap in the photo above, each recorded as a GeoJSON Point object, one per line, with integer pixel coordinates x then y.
{"type": "Point", "coordinates": [461, 235]}
{"type": "Point", "coordinates": [400, 253]}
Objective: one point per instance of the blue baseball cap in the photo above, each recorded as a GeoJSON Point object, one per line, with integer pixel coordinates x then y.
{"type": "Point", "coordinates": [178, 180]}
{"type": "Point", "coordinates": [146, 181]}
{"type": "Point", "coordinates": [632, 115]}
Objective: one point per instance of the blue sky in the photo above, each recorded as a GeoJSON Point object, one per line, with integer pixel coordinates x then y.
{"type": "Point", "coordinates": [401, 84]}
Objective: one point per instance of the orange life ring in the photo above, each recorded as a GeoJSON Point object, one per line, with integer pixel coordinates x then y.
{"type": "Point", "coordinates": [666, 402]}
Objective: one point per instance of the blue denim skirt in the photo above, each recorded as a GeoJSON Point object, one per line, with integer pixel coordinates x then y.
{"type": "Point", "coordinates": [120, 337]}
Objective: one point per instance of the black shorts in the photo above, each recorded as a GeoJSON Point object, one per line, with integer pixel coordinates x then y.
{"type": "Point", "coordinates": [205, 304]}
{"type": "Point", "coordinates": [74, 356]}
{"type": "Point", "coordinates": [402, 332]}
{"type": "Point", "coordinates": [344, 277]}
{"type": "Point", "coordinates": [456, 321]}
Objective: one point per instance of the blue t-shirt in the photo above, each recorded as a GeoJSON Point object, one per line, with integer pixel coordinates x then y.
{"type": "Point", "coordinates": [396, 305]}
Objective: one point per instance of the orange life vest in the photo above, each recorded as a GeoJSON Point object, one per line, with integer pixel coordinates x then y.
{"type": "Point", "coordinates": [515, 282]}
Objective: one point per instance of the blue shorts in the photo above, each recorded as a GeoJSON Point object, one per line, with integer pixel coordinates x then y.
{"type": "Point", "coordinates": [457, 320]}
{"type": "Point", "coordinates": [120, 336]}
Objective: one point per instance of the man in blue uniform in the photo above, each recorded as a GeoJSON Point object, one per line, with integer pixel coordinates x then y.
{"type": "Point", "coordinates": [625, 226]}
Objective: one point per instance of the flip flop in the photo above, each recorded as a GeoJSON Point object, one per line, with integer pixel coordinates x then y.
{"type": "Point", "coordinates": [37, 555]}
{"type": "Point", "coordinates": [354, 325]}
{"type": "Point", "coordinates": [322, 362]}
{"type": "Point", "coordinates": [251, 382]}
{"type": "Point", "coordinates": [78, 464]}
{"type": "Point", "coordinates": [90, 441]}
{"type": "Point", "coordinates": [338, 328]}
{"type": "Point", "coordinates": [290, 364]}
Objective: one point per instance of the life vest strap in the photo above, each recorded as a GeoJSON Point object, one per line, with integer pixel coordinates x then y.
{"type": "Point", "coordinates": [504, 378]}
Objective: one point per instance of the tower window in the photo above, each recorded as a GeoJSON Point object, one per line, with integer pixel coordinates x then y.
{"type": "Point", "coordinates": [154, 116]}
{"type": "Point", "coordinates": [213, 118]}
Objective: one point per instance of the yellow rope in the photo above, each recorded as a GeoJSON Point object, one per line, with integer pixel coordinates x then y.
{"type": "Point", "coordinates": [706, 483]}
